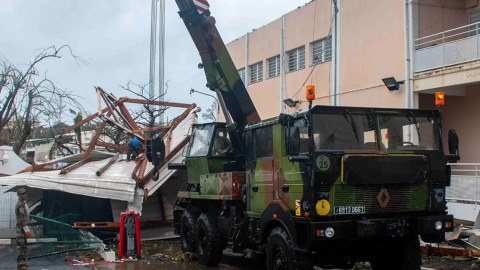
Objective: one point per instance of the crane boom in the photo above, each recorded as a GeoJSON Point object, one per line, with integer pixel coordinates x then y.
{"type": "Point", "coordinates": [220, 71]}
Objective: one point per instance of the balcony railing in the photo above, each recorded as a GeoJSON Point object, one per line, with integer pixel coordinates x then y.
{"type": "Point", "coordinates": [465, 186]}
{"type": "Point", "coordinates": [452, 47]}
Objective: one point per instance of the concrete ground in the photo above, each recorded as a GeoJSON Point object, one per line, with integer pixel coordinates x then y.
{"type": "Point", "coordinates": [8, 261]}
{"type": "Point", "coordinates": [160, 254]}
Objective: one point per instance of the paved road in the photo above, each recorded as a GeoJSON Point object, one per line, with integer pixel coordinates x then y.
{"type": "Point", "coordinates": [8, 261]}
{"type": "Point", "coordinates": [230, 262]}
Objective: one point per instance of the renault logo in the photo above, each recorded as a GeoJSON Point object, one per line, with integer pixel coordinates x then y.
{"type": "Point", "coordinates": [383, 197]}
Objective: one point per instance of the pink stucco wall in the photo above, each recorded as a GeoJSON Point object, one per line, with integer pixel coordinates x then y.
{"type": "Point", "coordinates": [460, 113]}
{"type": "Point", "coordinates": [372, 47]}
{"type": "Point", "coordinates": [302, 26]}
{"type": "Point", "coordinates": [436, 16]}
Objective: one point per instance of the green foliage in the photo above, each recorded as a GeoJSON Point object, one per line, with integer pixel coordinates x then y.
{"type": "Point", "coordinates": [361, 266]}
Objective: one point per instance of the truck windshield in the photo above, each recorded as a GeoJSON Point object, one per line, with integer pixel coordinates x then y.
{"type": "Point", "coordinates": [200, 142]}
{"type": "Point", "coordinates": [408, 132]}
{"type": "Point", "coordinates": [344, 132]}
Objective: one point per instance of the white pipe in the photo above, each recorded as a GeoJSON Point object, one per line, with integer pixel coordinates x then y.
{"type": "Point", "coordinates": [408, 18]}
{"type": "Point", "coordinates": [335, 87]}
{"type": "Point", "coordinates": [247, 77]}
{"type": "Point", "coordinates": [337, 56]}
{"type": "Point", "coordinates": [282, 65]}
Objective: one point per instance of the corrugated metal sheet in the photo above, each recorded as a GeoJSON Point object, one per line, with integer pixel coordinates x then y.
{"type": "Point", "coordinates": [115, 183]}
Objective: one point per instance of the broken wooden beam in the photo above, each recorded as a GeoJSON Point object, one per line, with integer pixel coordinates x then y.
{"type": "Point", "coordinates": [161, 103]}
{"type": "Point", "coordinates": [96, 225]}
{"type": "Point", "coordinates": [106, 166]}
{"type": "Point", "coordinates": [429, 249]}
{"type": "Point", "coordinates": [75, 166]}
{"type": "Point", "coordinates": [113, 146]}
{"type": "Point", "coordinates": [110, 106]}
{"type": "Point", "coordinates": [94, 140]}
{"type": "Point", "coordinates": [153, 129]}
{"type": "Point", "coordinates": [90, 118]}
{"type": "Point", "coordinates": [179, 119]}
{"type": "Point", "coordinates": [33, 168]}
{"type": "Point", "coordinates": [139, 136]}
{"type": "Point", "coordinates": [143, 167]}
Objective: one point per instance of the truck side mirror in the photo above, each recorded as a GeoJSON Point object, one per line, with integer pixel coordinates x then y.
{"type": "Point", "coordinates": [293, 141]}
{"type": "Point", "coordinates": [452, 147]}
{"type": "Point", "coordinates": [285, 119]}
{"type": "Point", "coordinates": [452, 142]}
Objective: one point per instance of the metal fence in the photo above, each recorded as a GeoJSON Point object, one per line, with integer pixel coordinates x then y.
{"type": "Point", "coordinates": [451, 47]}
{"type": "Point", "coordinates": [465, 186]}
{"type": "Point", "coordinates": [7, 208]}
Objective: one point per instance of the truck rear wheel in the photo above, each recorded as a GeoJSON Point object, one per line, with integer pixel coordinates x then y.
{"type": "Point", "coordinates": [208, 241]}
{"type": "Point", "coordinates": [400, 254]}
{"type": "Point", "coordinates": [279, 251]}
{"type": "Point", "coordinates": [187, 231]}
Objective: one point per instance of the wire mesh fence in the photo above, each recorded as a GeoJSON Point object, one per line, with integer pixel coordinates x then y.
{"type": "Point", "coordinates": [7, 208]}
{"type": "Point", "coordinates": [54, 238]}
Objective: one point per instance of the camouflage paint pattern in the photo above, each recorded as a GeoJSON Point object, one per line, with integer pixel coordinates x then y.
{"type": "Point", "coordinates": [198, 166]}
{"type": "Point", "coordinates": [221, 183]}
{"type": "Point", "coordinates": [271, 174]}
{"type": "Point", "coordinates": [219, 68]}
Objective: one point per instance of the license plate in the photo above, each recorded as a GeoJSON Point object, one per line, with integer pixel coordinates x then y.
{"type": "Point", "coordinates": [349, 210]}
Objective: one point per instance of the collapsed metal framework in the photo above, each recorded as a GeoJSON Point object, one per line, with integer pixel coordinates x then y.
{"type": "Point", "coordinates": [117, 115]}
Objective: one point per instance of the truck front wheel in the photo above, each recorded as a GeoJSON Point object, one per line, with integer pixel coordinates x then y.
{"type": "Point", "coordinates": [187, 231]}
{"type": "Point", "coordinates": [208, 241]}
{"type": "Point", "coordinates": [279, 251]}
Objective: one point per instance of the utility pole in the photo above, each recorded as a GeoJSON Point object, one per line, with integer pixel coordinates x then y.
{"type": "Point", "coordinates": [153, 39]}
{"type": "Point", "coordinates": [161, 57]}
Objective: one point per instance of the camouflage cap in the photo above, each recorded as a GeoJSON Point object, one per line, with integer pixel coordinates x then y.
{"type": "Point", "coordinates": [21, 191]}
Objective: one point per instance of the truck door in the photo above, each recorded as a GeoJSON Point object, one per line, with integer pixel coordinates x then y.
{"type": "Point", "coordinates": [259, 149]}
{"type": "Point", "coordinates": [288, 177]}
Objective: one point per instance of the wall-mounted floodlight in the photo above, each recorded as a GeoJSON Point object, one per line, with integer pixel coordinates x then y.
{"type": "Point", "coordinates": [392, 84]}
{"type": "Point", "coordinates": [291, 103]}
{"type": "Point", "coordinates": [4, 159]}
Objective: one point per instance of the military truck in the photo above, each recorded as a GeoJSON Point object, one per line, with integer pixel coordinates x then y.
{"type": "Point", "coordinates": [326, 186]}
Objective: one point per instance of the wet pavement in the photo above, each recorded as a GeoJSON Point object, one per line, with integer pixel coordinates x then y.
{"type": "Point", "coordinates": [167, 255]}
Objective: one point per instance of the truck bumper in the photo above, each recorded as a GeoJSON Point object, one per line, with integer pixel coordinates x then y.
{"type": "Point", "coordinates": [387, 227]}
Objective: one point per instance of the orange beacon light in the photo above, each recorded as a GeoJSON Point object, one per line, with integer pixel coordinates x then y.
{"type": "Point", "coordinates": [439, 98]}
{"type": "Point", "coordinates": [310, 92]}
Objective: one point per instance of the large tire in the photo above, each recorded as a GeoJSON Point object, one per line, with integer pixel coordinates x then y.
{"type": "Point", "coordinates": [400, 254]}
{"type": "Point", "coordinates": [208, 241]}
{"type": "Point", "coordinates": [280, 251]}
{"type": "Point", "coordinates": [188, 226]}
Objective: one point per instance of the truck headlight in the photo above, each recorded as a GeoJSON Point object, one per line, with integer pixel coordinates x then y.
{"type": "Point", "coordinates": [329, 232]}
{"type": "Point", "coordinates": [438, 225]}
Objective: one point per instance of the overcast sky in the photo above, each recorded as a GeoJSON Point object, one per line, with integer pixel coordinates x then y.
{"type": "Point", "coordinates": [113, 36]}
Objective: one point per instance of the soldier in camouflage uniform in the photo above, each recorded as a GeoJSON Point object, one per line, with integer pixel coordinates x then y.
{"type": "Point", "coordinates": [21, 214]}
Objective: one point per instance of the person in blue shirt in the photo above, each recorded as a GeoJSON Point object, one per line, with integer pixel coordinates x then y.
{"type": "Point", "coordinates": [134, 149]}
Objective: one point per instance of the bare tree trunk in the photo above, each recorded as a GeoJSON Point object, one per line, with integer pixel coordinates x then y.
{"type": "Point", "coordinates": [27, 125]}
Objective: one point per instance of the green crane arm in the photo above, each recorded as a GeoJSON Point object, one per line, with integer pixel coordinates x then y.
{"type": "Point", "coordinates": [220, 71]}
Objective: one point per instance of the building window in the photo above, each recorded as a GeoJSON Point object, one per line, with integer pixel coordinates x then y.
{"type": "Point", "coordinates": [241, 72]}
{"type": "Point", "coordinates": [321, 50]}
{"type": "Point", "coordinates": [296, 58]}
{"type": "Point", "coordinates": [273, 66]}
{"type": "Point", "coordinates": [474, 18]}
{"type": "Point", "coordinates": [256, 72]}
